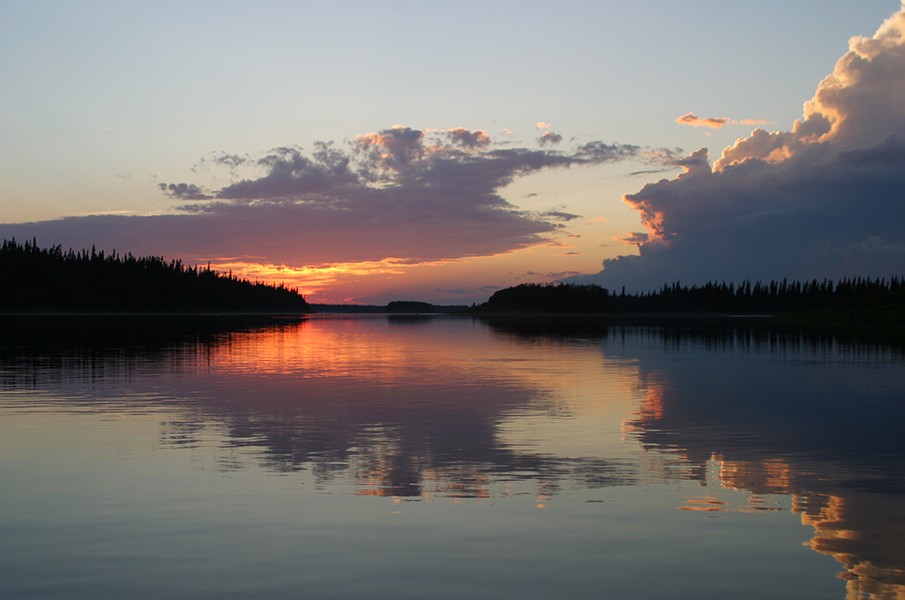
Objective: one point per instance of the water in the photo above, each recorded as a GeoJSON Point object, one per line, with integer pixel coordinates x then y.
{"type": "Point", "coordinates": [446, 458]}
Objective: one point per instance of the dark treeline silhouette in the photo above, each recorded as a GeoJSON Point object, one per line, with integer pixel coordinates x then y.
{"type": "Point", "coordinates": [746, 297]}
{"type": "Point", "coordinates": [51, 279]}
{"type": "Point", "coordinates": [761, 298]}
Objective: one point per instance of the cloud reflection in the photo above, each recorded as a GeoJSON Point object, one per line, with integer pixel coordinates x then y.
{"type": "Point", "coordinates": [403, 413]}
{"type": "Point", "coordinates": [774, 413]}
{"type": "Point", "coordinates": [454, 408]}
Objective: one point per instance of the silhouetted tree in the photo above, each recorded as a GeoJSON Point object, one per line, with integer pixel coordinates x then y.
{"type": "Point", "coordinates": [50, 279]}
{"type": "Point", "coordinates": [714, 297]}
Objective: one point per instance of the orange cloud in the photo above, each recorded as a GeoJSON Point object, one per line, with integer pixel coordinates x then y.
{"type": "Point", "coordinates": [696, 121]}
{"type": "Point", "coordinates": [693, 120]}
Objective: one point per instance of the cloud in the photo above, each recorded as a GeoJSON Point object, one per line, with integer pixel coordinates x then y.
{"type": "Point", "coordinates": [399, 196]}
{"type": "Point", "coordinates": [823, 199]}
{"type": "Point", "coordinates": [391, 148]}
{"type": "Point", "coordinates": [559, 215]}
{"type": "Point", "coordinates": [469, 139]}
{"type": "Point", "coordinates": [549, 138]}
{"type": "Point", "coordinates": [542, 125]}
{"type": "Point", "coordinates": [696, 121]}
{"type": "Point", "coordinates": [183, 191]}
{"type": "Point", "coordinates": [693, 120]}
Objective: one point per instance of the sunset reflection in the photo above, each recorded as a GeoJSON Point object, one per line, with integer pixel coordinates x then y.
{"type": "Point", "coordinates": [751, 444]}
{"type": "Point", "coordinates": [451, 412]}
{"type": "Point", "coordinates": [864, 533]}
{"type": "Point", "coordinates": [401, 408]}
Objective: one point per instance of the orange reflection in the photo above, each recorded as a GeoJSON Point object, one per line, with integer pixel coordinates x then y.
{"type": "Point", "coordinates": [392, 402]}
{"type": "Point", "coordinates": [704, 504]}
{"type": "Point", "coordinates": [860, 530]}
{"type": "Point", "coordinates": [771, 476]}
{"type": "Point", "coordinates": [846, 529]}
{"type": "Point", "coordinates": [651, 408]}
{"type": "Point", "coordinates": [336, 348]}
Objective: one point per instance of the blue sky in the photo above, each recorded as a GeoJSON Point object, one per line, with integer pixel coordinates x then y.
{"type": "Point", "coordinates": [105, 101]}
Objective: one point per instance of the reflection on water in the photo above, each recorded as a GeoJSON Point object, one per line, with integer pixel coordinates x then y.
{"type": "Point", "coordinates": [402, 411]}
{"type": "Point", "coordinates": [720, 422]}
{"type": "Point", "coordinates": [805, 417]}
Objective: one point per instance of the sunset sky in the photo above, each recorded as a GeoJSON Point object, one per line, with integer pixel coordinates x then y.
{"type": "Point", "coordinates": [372, 151]}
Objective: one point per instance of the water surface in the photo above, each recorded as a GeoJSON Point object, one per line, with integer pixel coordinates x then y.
{"type": "Point", "coordinates": [446, 458]}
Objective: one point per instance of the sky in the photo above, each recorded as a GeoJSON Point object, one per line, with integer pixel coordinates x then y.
{"type": "Point", "coordinates": [373, 151]}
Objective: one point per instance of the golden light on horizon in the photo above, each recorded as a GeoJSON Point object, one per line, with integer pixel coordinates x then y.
{"type": "Point", "coordinates": [314, 282]}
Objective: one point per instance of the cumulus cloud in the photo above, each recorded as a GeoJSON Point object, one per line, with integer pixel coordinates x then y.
{"type": "Point", "coordinates": [469, 139]}
{"type": "Point", "coordinates": [401, 194]}
{"type": "Point", "coordinates": [824, 199]}
{"type": "Point", "coordinates": [542, 125]}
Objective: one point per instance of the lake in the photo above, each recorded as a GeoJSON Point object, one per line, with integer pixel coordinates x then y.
{"type": "Point", "coordinates": [416, 457]}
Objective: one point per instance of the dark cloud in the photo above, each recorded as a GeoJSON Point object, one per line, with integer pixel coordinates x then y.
{"type": "Point", "coordinates": [826, 199]}
{"type": "Point", "coordinates": [549, 138]}
{"type": "Point", "coordinates": [183, 191]}
{"type": "Point", "coordinates": [649, 172]}
{"type": "Point", "coordinates": [390, 149]}
{"type": "Point", "coordinates": [469, 139]}
{"type": "Point", "coordinates": [290, 174]}
{"type": "Point", "coordinates": [401, 193]}
{"type": "Point", "coordinates": [559, 215]}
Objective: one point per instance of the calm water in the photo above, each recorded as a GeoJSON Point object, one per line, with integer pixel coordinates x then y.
{"type": "Point", "coordinates": [447, 458]}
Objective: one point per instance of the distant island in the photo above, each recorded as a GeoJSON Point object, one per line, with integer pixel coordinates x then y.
{"type": "Point", "coordinates": [48, 280]}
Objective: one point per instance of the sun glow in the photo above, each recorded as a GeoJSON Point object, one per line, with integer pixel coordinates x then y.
{"type": "Point", "coordinates": [314, 282]}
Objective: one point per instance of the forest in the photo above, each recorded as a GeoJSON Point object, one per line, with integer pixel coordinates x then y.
{"type": "Point", "coordinates": [752, 298]}
{"type": "Point", "coordinates": [53, 280]}
{"type": "Point", "coordinates": [50, 279]}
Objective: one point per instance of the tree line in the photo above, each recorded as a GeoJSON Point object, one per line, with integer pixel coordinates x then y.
{"type": "Point", "coordinates": [714, 297]}
{"type": "Point", "coordinates": [51, 279]}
